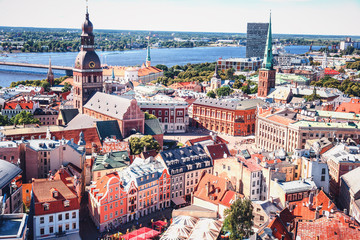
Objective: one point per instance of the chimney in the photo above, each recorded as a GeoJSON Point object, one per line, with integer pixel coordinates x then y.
{"type": "Point", "coordinates": [207, 187]}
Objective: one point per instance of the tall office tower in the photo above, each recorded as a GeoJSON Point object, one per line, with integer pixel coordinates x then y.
{"type": "Point", "coordinates": [256, 39]}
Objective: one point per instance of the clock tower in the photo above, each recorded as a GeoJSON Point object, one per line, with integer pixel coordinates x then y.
{"type": "Point", "coordinates": [88, 76]}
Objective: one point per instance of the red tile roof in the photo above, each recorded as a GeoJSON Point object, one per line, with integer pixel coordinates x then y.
{"type": "Point", "coordinates": [301, 209]}
{"type": "Point", "coordinates": [337, 227]}
{"type": "Point", "coordinates": [43, 193]}
{"type": "Point", "coordinates": [23, 105]}
{"type": "Point", "coordinates": [217, 151]}
{"type": "Point", "coordinates": [192, 142]}
{"type": "Point", "coordinates": [279, 229]}
{"type": "Point", "coordinates": [329, 71]}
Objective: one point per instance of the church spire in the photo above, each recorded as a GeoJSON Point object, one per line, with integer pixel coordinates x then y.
{"type": "Point", "coordinates": [148, 58]}
{"type": "Point", "coordinates": [50, 75]}
{"type": "Point", "coordinates": [268, 57]}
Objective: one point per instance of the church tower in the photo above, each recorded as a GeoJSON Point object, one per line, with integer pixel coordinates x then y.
{"type": "Point", "coordinates": [267, 73]}
{"type": "Point", "coordinates": [50, 74]}
{"type": "Point", "coordinates": [215, 81]}
{"type": "Point", "coordinates": [88, 74]}
{"type": "Point", "coordinates": [148, 58]}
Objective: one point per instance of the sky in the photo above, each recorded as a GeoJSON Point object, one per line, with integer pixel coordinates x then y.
{"type": "Point", "coordinates": [320, 17]}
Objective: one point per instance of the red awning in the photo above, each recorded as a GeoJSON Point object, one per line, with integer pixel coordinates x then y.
{"type": "Point", "coordinates": [141, 234]}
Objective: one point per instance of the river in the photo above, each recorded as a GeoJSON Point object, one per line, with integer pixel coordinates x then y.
{"type": "Point", "coordinates": [166, 56]}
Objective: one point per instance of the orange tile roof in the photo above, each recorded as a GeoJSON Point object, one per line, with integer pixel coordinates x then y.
{"type": "Point", "coordinates": [352, 106]}
{"type": "Point", "coordinates": [101, 185]}
{"type": "Point", "coordinates": [302, 211]}
{"type": "Point", "coordinates": [280, 119]}
{"type": "Point", "coordinates": [337, 227]}
{"type": "Point", "coordinates": [42, 190]}
{"type": "Point", "coordinates": [217, 193]}
{"type": "Point", "coordinates": [148, 70]}
{"type": "Point", "coordinates": [23, 105]}
{"type": "Point", "coordinates": [68, 80]}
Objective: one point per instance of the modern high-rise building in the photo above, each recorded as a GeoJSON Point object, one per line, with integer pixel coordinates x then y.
{"type": "Point", "coordinates": [256, 39]}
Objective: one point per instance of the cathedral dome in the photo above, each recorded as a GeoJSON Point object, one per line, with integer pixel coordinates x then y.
{"type": "Point", "coordinates": [87, 60]}
{"type": "Point", "coordinates": [87, 27]}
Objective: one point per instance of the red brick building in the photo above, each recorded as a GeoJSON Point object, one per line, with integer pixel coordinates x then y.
{"type": "Point", "coordinates": [105, 107]}
{"type": "Point", "coordinates": [236, 117]}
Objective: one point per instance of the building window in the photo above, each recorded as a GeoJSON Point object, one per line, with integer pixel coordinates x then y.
{"type": "Point", "coordinates": [51, 218]}
{"type": "Point", "coordinates": [160, 113]}
{"type": "Point", "coordinates": [67, 227]}
{"type": "Point", "coordinates": [322, 178]}
{"type": "Point", "coordinates": [74, 215]}
{"type": "Point", "coordinates": [74, 225]}
{"type": "Point", "coordinates": [60, 217]}
{"type": "Point", "coordinates": [105, 217]}
{"type": "Point", "coordinates": [67, 216]}
{"type": "Point", "coordinates": [323, 171]}
{"type": "Point", "coordinates": [42, 220]}
{"type": "Point", "coordinates": [42, 231]}
{"type": "Point", "coordinates": [51, 229]}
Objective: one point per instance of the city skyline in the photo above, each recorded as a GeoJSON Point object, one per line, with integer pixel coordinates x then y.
{"type": "Point", "coordinates": [314, 17]}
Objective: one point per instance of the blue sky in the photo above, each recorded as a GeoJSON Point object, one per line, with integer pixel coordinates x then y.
{"type": "Point", "coordinates": [327, 17]}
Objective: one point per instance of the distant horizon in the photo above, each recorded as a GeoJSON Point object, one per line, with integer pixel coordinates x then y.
{"type": "Point", "coordinates": [175, 31]}
{"type": "Point", "coordinates": [300, 17]}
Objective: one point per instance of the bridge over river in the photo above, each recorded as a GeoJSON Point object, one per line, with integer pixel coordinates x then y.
{"type": "Point", "coordinates": [68, 70]}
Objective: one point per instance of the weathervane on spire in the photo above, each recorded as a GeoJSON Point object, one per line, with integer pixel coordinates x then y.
{"type": "Point", "coordinates": [87, 6]}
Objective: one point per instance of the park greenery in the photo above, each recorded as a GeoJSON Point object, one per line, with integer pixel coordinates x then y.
{"type": "Point", "coordinates": [21, 118]}
{"type": "Point", "coordinates": [40, 83]}
{"type": "Point", "coordinates": [198, 72]}
{"type": "Point", "coordinates": [146, 143]}
{"type": "Point", "coordinates": [239, 219]}
{"type": "Point", "coordinates": [348, 87]}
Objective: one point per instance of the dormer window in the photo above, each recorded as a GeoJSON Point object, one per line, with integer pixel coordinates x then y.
{"type": "Point", "coordinates": [55, 193]}
{"type": "Point", "coordinates": [46, 206]}
{"type": "Point", "coordinates": [66, 203]}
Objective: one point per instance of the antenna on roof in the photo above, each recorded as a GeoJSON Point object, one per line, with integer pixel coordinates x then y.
{"type": "Point", "coordinates": [87, 7]}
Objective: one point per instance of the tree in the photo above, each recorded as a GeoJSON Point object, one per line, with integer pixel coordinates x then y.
{"type": "Point", "coordinates": [162, 67]}
{"type": "Point", "coordinates": [4, 120]}
{"type": "Point", "coordinates": [149, 116]}
{"type": "Point", "coordinates": [223, 91]}
{"type": "Point", "coordinates": [24, 118]}
{"type": "Point", "coordinates": [237, 84]}
{"type": "Point", "coordinates": [229, 73]}
{"type": "Point", "coordinates": [46, 85]}
{"type": "Point", "coordinates": [146, 143]}
{"type": "Point", "coordinates": [211, 94]}
{"type": "Point", "coordinates": [67, 87]}
{"type": "Point", "coordinates": [313, 96]}
{"type": "Point", "coordinates": [239, 219]}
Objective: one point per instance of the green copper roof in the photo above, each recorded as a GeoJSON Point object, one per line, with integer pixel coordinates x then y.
{"type": "Point", "coordinates": [268, 57]}
{"type": "Point", "coordinates": [148, 58]}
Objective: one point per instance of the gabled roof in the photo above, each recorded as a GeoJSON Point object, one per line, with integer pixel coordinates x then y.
{"type": "Point", "coordinates": [110, 105]}
{"type": "Point", "coordinates": [108, 129]}
{"type": "Point", "coordinates": [68, 114]}
{"type": "Point", "coordinates": [217, 151]}
{"type": "Point", "coordinates": [279, 229]}
{"type": "Point", "coordinates": [152, 127]}
{"type": "Point", "coordinates": [111, 160]}
{"type": "Point", "coordinates": [22, 105]}
{"type": "Point", "coordinates": [215, 189]}
{"type": "Point", "coordinates": [43, 194]}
